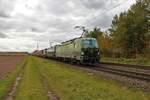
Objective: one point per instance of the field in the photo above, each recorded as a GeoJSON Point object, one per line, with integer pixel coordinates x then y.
{"type": "Point", "coordinates": [45, 79]}
{"type": "Point", "coordinates": [8, 63]}
{"type": "Point", "coordinates": [9, 68]}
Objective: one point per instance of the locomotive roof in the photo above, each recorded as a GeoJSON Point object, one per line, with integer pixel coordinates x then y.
{"type": "Point", "coordinates": [72, 40]}
{"type": "Point", "coordinates": [69, 41]}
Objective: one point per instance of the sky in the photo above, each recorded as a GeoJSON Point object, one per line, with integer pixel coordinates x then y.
{"type": "Point", "coordinates": [23, 23]}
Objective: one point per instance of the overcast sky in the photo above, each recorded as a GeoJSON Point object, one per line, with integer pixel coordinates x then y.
{"type": "Point", "coordinates": [24, 22]}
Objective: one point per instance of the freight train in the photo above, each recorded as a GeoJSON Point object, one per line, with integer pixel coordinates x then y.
{"type": "Point", "coordinates": [78, 50]}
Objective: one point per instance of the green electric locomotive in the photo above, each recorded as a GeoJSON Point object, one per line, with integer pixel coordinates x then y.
{"type": "Point", "coordinates": [79, 50]}
{"type": "Point", "coordinates": [83, 50]}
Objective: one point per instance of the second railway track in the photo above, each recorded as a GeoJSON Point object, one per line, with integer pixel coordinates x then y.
{"type": "Point", "coordinates": [136, 76]}
{"type": "Point", "coordinates": [136, 73]}
{"type": "Point", "coordinates": [131, 71]}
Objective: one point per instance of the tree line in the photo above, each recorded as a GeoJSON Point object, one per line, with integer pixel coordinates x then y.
{"type": "Point", "coordinates": [128, 35]}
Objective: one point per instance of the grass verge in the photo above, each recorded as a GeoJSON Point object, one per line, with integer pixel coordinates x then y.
{"type": "Point", "coordinates": [138, 61]}
{"type": "Point", "coordinates": [74, 84]}
{"type": "Point", "coordinates": [5, 84]}
{"type": "Point", "coordinates": [30, 87]}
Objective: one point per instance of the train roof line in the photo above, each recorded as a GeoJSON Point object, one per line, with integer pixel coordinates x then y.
{"type": "Point", "coordinates": [70, 41]}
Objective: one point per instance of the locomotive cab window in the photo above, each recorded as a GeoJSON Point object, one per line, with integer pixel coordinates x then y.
{"type": "Point", "coordinates": [74, 45]}
{"type": "Point", "coordinates": [89, 43]}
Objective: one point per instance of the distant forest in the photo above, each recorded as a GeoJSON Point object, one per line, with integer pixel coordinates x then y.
{"type": "Point", "coordinates": [129, 34]}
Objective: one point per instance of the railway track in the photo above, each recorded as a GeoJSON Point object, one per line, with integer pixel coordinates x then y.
{"type": "Point", "coordinates": [135, 77]}
{"type": "Point", "coordinates": [136, 73]}
{"type": "Point", "coordinates": [127, 65]}
{"type": "Point", "coordinates": [131, 71]}
{"type": "Point", "coordinates": [130, 75]}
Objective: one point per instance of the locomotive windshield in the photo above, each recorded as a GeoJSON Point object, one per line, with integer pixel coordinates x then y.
{"type": "Point", "coordinates": [89, 43]}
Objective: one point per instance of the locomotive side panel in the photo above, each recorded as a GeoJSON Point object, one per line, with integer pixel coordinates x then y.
{"type": "Point", "coordinates": [69, 50]}
{"type": "Point", "coordinates": [50, 52]}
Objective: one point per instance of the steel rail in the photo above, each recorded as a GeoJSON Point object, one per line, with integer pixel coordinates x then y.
{"type": "Point", "coordinates": [127, 65]}
{"type": "Point", "coordinates": [123, 72]}
{"type": "Point", "coordinates": [101, 67]}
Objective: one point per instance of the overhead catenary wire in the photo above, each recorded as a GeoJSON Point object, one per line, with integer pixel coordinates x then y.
{"type": "Point", "coordinates": [115, 6]}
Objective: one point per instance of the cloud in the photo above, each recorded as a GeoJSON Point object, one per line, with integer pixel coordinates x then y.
{"type": "Point", "coordinates": [2, 35]}
{"type": "Point", "coordinates": [29, 21]}
{"type": "Point", "coordinates": [3, 14]}
{"type": "Point", "coordinates": [6, 7]}
{"type": "Point", "coordinates": [102, 20]}
{"type": "Point", "coordinates": [95, 4]}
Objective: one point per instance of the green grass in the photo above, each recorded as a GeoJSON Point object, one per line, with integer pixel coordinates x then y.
{"type": "Point", "coordinates": [138, 61]}
{"type": "Point", "coordinates": [68, 83]}
{"type": "Point", "coordinates": [74, 84]}
{"type": "Point", "coordinates": [31, 87]}
{"type": "Point", "coordinates": [5, 84]}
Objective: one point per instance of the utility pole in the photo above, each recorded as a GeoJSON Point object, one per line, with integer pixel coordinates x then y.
{"type": "Point", "coordinates": [50, 44]}
{"type": "Point", "coordinates": [37, 46]}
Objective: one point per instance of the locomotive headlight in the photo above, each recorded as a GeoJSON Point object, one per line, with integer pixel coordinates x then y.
{"type": "Point", "coordinates": [82, 53]}
{"type": "Point", "coordinates": [98, 52]}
